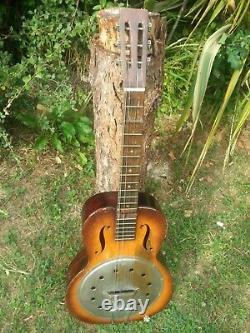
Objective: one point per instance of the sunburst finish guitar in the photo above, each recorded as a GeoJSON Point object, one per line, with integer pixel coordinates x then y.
{"type": "Point", "coordinates": [117, 277]}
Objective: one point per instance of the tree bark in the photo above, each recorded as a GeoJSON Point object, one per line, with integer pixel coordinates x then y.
{"type": "Point", "coordinates": [106, 83]}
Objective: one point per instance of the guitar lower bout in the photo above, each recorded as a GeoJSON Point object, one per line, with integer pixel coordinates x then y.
{"type": "Point", "coordinates": [114, 280]}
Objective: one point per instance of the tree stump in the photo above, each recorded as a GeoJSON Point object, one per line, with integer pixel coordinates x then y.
{"type": "Point", "coordinates": [106, 83]}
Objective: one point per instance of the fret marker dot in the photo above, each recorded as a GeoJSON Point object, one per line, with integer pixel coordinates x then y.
{"type": "Point", "coordinates": [129, 186]}
{"type": "Point", "coordinates": [129, 170]}
{"type": "Point", "coordinates": [131, 151]}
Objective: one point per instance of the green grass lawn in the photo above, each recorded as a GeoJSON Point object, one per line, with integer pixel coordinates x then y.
{"type": "Point", "coordinates": [206, 247]}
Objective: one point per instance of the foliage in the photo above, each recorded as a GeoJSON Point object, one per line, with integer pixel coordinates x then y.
{"type": "Point", "coordinates": [218, 75]}
{"type": "Point", "coordinates": [44, 56]}
{"type": "Point", "coordinates": [43, 84]}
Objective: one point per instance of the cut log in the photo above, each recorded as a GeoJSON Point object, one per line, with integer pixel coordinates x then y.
{"type": "Point", "coordinates": [106, 83]}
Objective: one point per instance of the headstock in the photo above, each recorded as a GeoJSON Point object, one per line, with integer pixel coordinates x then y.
{"type": "Point", "coordinates": [133, 42]}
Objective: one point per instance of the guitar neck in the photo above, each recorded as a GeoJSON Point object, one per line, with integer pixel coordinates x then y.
{"type": "Point", "coordinates": [130, 172]}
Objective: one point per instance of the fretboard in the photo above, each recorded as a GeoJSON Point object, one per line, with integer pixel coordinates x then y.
{"type": "Point", "coordinates": [130, 171]}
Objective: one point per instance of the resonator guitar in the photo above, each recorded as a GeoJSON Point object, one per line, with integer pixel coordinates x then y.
{"type": "Point", "coordinates": [117, 276]}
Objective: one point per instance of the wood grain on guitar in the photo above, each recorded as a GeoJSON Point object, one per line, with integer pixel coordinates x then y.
{"type": "Point", "coordinates": [117, 277]}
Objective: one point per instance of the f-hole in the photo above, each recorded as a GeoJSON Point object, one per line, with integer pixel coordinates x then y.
{"type": "Point", "coordinates": [146, 238]}
{"type": "Point", "coordinates": [102, 239]}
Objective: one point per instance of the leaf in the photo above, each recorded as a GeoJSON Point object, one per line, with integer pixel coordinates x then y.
{"type": "Point", "coordinates": [244, 114]}
{"type": "Point", "coordinates": [206, 61]}
{"type": "Point", "coordinates": [230, 89]}
{"type": "Point", "coordinates": [68, 130]}
{"type": "Point", "coordinates": [149, 5]}
{"type": "Point", "coordinates": [216, 11]}
{"type": "Point", "coordinates": [27, 120]}
{"type": "Point", "coordinates": [167, 5]}
{"type": "Point", "coordinates": [57, 143]}
{"type": "Point", "coordinates": [26, 79]}
{"type": "Point", "coordinates": [41, 143]}
{"type": "Point", "coordinates": [202, 16]}
{"type": "Point", "coordinates": [82, 158]}
{"type": "Point", "coordinates": [103, 3]}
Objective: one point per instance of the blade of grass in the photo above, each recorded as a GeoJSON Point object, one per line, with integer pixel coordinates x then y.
{"type": "Point", "coordinates": [206, 61]}
{"type": "Point", "coordinates": [245, 113]}
{"type": "Point", "coordinates": [197, 5]}
{"type": "Point", "coordinates": [230, 89]}
{"type": "Point", "coordinates": [240, 12]}
{"type": "Point", "coordinates": [206, 11]}
{"type": "Point", "coordinates": [216, 11]}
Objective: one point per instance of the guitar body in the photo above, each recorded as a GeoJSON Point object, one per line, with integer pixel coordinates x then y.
{"type": "Point", "coordinates": [107, 270]}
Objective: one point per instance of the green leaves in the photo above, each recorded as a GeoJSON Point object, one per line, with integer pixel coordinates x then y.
{"type": "Point", "coordinates": [26, 79]}
{"type": "Point", "coordinates": [205, 64]}
{"type": "Point", "coordinates": [68, 131]}
{"type": "Point", "coordinates": [57, 143]}
{"type": "Point", "coordinates": [82, 158]}
{"type": "Point", "coordinates": [149, 5]}
{"type": "Point", "coordinates": [207, 57]}
{"type": "Point", "coordinates": [229, 91]}
{"type": "Point", "coordinates": [238, 49]}
{"type": "Point", "coordinates": [41, 143]}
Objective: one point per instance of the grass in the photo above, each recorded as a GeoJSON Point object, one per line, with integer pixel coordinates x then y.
{"type": "Point", "coordinates": [206, 248]}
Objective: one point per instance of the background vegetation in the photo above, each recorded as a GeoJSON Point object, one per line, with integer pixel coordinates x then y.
{"type": "Point", "coordinates": [47, 168]}
{"type": "Point", "coordinates": [44, 62]}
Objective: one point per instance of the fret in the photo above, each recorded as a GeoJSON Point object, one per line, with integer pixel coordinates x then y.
{"type": "Point", "coordinates": [129, 182]}
{"type": "Point", "coordinates": [126, 219]}
{"type": "Point", "coordinates": [129, 190]}
{"type": "Point", "coordinates": [132, 146]}
{"type": "Point", "coordinates": [127, 203]}
{"type": "Point", "coordinates": [134, 89]}
{"type": "Point", "coordinates": [126, 223]}
{"type": "Point", "coordinates": [128, 229]}
{"type": "Point", "coordinates": [125, 238]}
{"type": "Point", "coordinates": [131, 174]}
{"type": "Point", "coordinates": [131, 156]}
{"type": "Point", "coordinates": [131, 166]}
{"type": "Point", "coordinates": [134, 121]}
{"type": "Point", "coordinates": [134, 106]}
{"type": "Point", "coordinates": [134, 134]}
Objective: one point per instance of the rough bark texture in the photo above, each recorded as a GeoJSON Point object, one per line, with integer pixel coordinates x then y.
{"type": "Point", "coordinates": [108, 101]}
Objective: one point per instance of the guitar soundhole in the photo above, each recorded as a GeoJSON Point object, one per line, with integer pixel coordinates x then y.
{"type": "Point", "coordinates": [93, 299]}
{"type": "Point", "coordinates": [116, 270]}
{"type": "Point", "coordinates": [93, 288]}
{"type": "Point", "coordinates": [149, 284]}
{"type": "Point", "coordinates": [131, 269]}
{"type": "Point", "coordinates": [143, 274]}
{"type": "Point", "coordinates": [101, 277]}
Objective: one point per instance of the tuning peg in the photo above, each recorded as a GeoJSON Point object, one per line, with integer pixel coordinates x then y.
{"type": "Point", "coordinates": [149, 42]}
{"type": "Point", "coordinates": [117, 27]}
{"type": "Point", "coordinates": [149, 26]}
{"type": "Point", "coordinates": [148, 60]}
